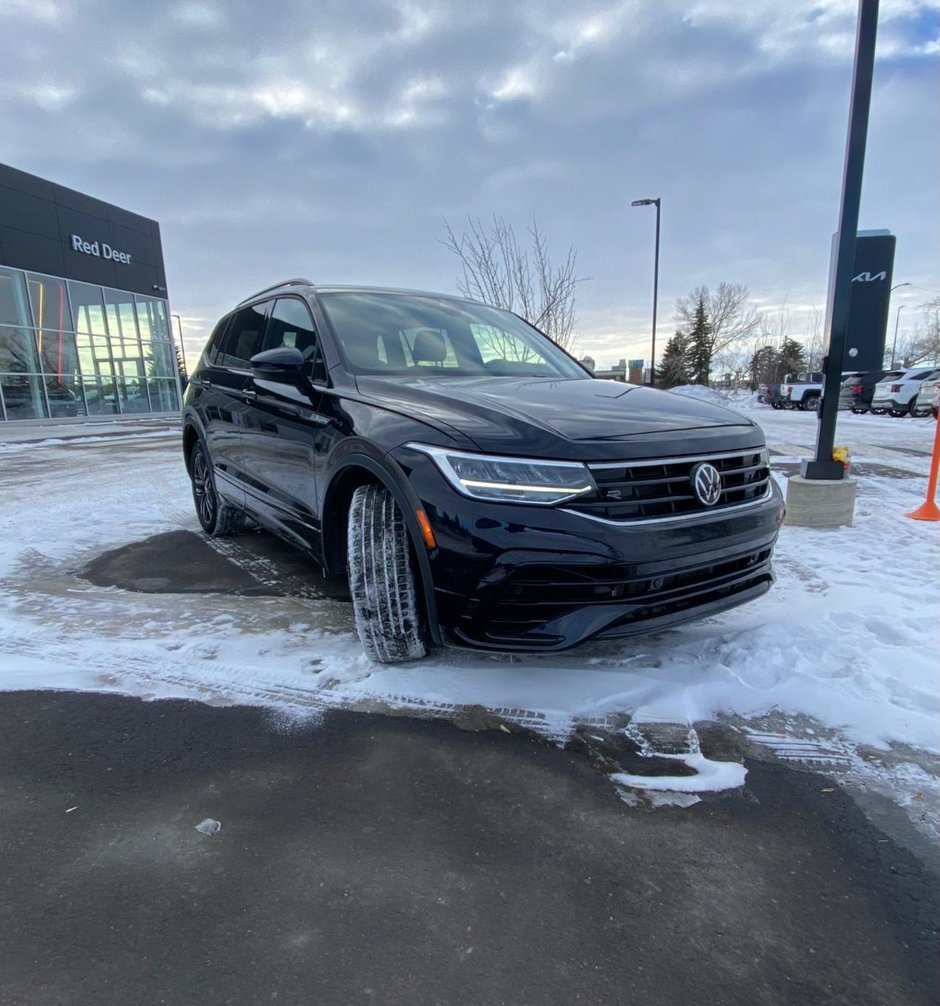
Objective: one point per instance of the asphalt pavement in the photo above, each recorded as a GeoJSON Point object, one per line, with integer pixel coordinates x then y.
{"type": "Point", "coordinates": [396, 860]}
{"type": "Point", "coordinates": [371, 859]}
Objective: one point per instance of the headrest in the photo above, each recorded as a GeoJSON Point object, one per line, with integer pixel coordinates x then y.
{"type": "Point", "coordinates": [429, 346]}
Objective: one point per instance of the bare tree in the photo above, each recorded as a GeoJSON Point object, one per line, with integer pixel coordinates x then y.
{"type": "Point", "coordinates": [815, 350]}
{"type": "Point", "coordinates": [923, 344]}
{"type": "Point", "coordinates": [499, 270]}
{"type": "Point", "coordinates": [730, 318]}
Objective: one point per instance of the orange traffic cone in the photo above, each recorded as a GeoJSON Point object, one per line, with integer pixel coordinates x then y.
{"type": "Point", "coordinates": [928, 510]}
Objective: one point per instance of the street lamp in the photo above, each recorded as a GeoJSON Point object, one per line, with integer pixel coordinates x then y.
{"type": "Point", "coordinates": [894, 345]}
{"type": "Point", "coordinates": [653, 202]}
{"type": "Point", "coordinates": [179, 328]}
{"type": "Point", "coordinates": [897, 318]}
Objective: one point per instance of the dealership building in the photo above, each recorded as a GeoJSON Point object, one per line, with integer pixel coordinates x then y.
{"type": "Point", "coordinates": [84, 319]}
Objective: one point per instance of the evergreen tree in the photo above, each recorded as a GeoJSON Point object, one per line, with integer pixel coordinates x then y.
{"type": "Point", "coordinates": [700, 343]}
{"type": "Point", "coordinates": [791, 358]}
{"type": "Point", "coordinates": [673, 369]}
{"type": "Point", "coordinates": [762, 368]}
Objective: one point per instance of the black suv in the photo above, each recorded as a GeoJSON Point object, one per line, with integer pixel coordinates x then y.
{"type": "Point", "coordinates": [475, 483]}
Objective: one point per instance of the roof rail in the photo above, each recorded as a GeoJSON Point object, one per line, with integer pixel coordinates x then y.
{"type": "Point", "coordinates": [276, 286]}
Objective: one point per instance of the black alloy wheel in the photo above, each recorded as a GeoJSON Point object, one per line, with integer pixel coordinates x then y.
{"type": "Point", "coordinates": [382, 580]}
{"type": "Point", "coordinates": [859, 410]}
{"type": "Point", "coordinates": [215, 516]}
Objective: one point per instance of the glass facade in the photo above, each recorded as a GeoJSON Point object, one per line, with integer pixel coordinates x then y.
{"type": "Point", "coordinates": [75, 349]}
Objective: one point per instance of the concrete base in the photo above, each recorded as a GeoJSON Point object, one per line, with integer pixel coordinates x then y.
{"type": "Point", "coordinates": [820, 502]}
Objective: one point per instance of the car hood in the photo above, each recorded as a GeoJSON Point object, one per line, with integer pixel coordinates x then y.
{"type": "Point", "coordinates": [558, 417]}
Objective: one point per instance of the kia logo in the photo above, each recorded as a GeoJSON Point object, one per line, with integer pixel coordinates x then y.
{"type": "Point", "coordinates": [707, 483]}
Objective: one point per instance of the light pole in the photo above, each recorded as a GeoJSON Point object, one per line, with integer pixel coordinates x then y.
{"type": "Point", "coordinates": [897, 318]}
{"type": "Point", "coordinates": [179, 328]}
{"type": "Point", "coordinates": [894, 345]}
{"type": "Point", "coordinates": [653, 202]}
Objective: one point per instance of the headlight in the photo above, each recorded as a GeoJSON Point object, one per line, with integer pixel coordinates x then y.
{"type": "Point", "coordinates": [510, 480]}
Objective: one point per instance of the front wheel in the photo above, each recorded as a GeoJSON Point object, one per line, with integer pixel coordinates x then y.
{"type": "Point", "coordinates": [382, 581]}
{"type": "Point", "coordinates": [810, 403]}
{"type": "Point", "coordinates": [217, 518]}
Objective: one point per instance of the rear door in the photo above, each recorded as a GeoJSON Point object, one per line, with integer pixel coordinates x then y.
{"type": "Point", "coordinates": [225, 393]}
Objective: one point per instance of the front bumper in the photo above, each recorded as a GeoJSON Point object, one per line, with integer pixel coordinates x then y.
{"type": "Point", "coordinates": [527, 578]}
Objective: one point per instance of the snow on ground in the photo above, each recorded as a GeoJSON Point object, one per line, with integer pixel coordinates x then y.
{"type": "Point", "coordinates": [842, 652]}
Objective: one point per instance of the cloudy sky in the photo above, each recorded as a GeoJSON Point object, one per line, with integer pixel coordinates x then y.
{"type": "Point", "coordinates": [330, 138]}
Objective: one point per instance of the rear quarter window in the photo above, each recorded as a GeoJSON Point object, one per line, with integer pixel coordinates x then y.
{"type": "Point", "coordinates": [211, 351]}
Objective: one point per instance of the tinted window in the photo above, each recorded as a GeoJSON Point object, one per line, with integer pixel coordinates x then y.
{"type": "Point", "coordinates": [243, 338]}
{"type": "Point", "coordinates": [391, 333]}
{"type": "Point", "coordinates": [291, 325]}
{"type": "Point", "coordinates": [215, 341]}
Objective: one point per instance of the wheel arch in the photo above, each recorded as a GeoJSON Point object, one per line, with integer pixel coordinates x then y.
{"type": "Point", "coordinates": [190, 437]}
{"type": "Point", "coordinates": [357, 470]}
{"type": "Point", "coordinates": [192, 431]}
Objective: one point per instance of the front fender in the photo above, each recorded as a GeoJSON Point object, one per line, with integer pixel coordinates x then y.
{"type": "Point", "coordinates": [344, 475]}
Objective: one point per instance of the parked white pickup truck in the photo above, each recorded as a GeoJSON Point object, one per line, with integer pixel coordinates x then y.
{"type": "Point", "coordinates": [803, 391]}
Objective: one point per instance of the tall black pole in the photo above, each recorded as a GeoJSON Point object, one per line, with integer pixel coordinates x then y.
{"type": "Point", "coordinates": [823, 467]}
{"type": "Point", "coordinates": [655, 300]}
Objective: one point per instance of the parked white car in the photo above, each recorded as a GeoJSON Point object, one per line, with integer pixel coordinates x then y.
{"type": "Point", "coordinates": [897, 395]}
{"type": "Point", "coordinates": [926, 402]}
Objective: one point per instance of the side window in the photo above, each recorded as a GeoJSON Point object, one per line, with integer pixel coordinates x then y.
{"type": "Point", "coordinates": [211, 351]}
{"type": "Point", "coordinates": [291, 325]}
{"type": "Point", "coordinates": [243, 337]}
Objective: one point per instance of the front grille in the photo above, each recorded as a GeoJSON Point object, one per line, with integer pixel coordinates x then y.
{"type": "Point", "coordinates": [531, 604]}
{"type": "Point", "coordinates": [646, 490]}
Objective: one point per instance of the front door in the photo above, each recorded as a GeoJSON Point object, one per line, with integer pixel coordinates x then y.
{"type": "Point", "coordinates": [282, 430]}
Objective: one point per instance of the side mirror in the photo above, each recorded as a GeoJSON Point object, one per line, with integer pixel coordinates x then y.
{"type": "Point", "coordinates": [284, 364]}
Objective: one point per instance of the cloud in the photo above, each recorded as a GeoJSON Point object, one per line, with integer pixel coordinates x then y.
{"type": "Point", "coordinates": [278, 139]}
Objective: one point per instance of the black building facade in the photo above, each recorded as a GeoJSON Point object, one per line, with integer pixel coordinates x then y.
{"type": "Point", "coordinates": [84, 319]}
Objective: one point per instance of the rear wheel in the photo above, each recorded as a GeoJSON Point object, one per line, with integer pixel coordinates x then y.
{"type": "Point", "coordinates": [859, 410]}
{"type": "Point", "coordinates": [898, 413]}
{"type": "Point", "coordinates": [810, 403]}
{"type": "Point", "coordinates": [878, 412]}
{"type": "Point", "coordinates": [382, 580]}
{"type": "Point", "coordinates": [217, 518]}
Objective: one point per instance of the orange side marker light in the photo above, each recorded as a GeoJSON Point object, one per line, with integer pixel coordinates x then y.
{"type": "Point", "coordinates": [426, 529]}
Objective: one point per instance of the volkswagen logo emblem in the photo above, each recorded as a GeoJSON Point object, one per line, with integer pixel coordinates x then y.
{"type": "Point", "coordinates": [706, 481]}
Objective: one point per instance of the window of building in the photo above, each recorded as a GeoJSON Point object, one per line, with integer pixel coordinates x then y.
{"type": "Point", "coordinates": [73, 349]}
{"type": "Point", "coordinates": [14, 304]}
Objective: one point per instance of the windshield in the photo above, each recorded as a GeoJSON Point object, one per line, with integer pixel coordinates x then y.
{"type": "Point", "coordinates": [400, 333]}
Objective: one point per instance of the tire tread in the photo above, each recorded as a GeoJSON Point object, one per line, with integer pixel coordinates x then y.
{"type": "Point", "coordinates": [381, 578]}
